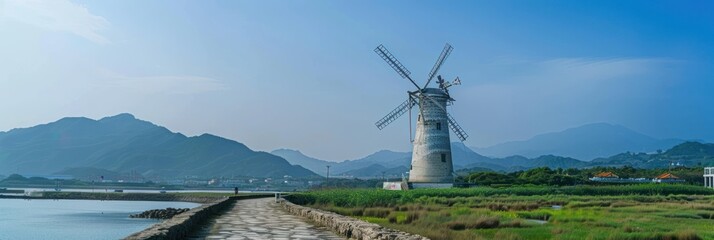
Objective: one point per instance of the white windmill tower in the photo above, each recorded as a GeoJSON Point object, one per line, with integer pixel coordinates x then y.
{"type": "Point", "coordinates": [431, 157]}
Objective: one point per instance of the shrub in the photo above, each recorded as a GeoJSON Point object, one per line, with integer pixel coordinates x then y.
{"type": "Point", "coordinates": [512, 206]}
{"type": "Point", "coordinates": [376, 212]}
{"type": "Point", "coordinates": [577, 204]}
{"type": "Point", "coordinates": [485, 222]}
{"type": "Point", "coordinates": [681, 215]}
{"type": "Point", "coordinates": [412, 216]}
{"type": "Point", "coordinates": [629, 229]}
{"type": "Point", "coordinates": [503, 235]}
{"type": "Point", "coordinates": [619, 204]}
{"type": "Point", "coordinates": [686, 235]}
{"type": "Point", "coordinates": [706, 215]}
{"type": "Point", "coordinates": [536, 215]}
{"type": "Point", "coordinates": [456, 225]}
{"type": "Point", "coordinates": [514, 224]}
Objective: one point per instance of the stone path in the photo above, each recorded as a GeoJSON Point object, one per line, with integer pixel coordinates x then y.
{"type": "Point", "coordinates": [262, 219]}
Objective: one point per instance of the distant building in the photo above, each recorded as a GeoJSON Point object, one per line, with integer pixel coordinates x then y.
{"type": "Point", "coordinates": [612, 178]}
{"type": "Point", "coordinates": [667, 178]}
{"type": "Point", "coordinates": [293, 183]}
{"type": "Point", "coordinates": [604, 176]}
{"type": "Point", "coordinates": [709, 177]}
{"type": "Point", "coordinates": [314, 183]}
{"type": "Point", "coordinates": [214, 181]}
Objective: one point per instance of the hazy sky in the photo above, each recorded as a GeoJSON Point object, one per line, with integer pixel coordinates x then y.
{"type": "Point", "coordinates": [303, 74]}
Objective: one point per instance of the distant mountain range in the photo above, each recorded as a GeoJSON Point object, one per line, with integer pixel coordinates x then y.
{"type": "Point", "coordinates": [393, 164]}
{"type": "Point", "coordinates": [123, 143]}
{"type": "Point", "coordinates": [586, 142]}
{"type": "Point", "coordinates": [569, 148]}
{"type": "Point", "coordinates": [685, 154]}
{"type": "Point", "coordinates": [379, 160]}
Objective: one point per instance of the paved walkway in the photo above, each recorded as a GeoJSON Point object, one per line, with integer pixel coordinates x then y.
{"type": "Point", "coordinates": [262, 219]}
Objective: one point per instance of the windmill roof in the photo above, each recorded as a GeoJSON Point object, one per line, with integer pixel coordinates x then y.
{"type": "Point", "coordinates": [667, 176]}
{"type": "Point", "coordinates": [606, 175]}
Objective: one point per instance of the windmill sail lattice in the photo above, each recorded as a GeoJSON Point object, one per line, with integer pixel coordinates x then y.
{"type": "Point", "coordinates": [431, 156]}
{"type": "Point", "coordinates": [396, 113]}
{"type": "Point", "coordinates": [457, 129]}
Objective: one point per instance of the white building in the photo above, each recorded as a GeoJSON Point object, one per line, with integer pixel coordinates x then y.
{"type": "Point", "coordinates": [709, 177]}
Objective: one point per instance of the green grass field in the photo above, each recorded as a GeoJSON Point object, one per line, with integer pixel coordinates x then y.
{"type": "Point", "coordinates": [607, 212]}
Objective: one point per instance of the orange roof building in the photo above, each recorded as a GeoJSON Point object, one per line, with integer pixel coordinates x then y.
{"type": "Point", "coordinates": [606, 175]}
{"type": "Point", "coordinates": [667, 178]}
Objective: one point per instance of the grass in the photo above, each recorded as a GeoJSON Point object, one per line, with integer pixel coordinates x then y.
{"type": "Point", "coordinates": [616, 212]}
{"type": "Point", "coordinates": [369, 197]}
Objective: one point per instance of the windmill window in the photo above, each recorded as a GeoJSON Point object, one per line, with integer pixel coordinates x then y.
{"type": "Point", "coordinates": [438, 126]}
{"type": "Point", "coordinates": [443, 157]}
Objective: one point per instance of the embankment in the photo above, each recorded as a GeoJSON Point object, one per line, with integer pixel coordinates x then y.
{"type": "Point", "coordinates": [182, 225]}
{"type": "Point", "coordinates": [182, 197]}
{"type": "Point", "coordinates": [349, 227]}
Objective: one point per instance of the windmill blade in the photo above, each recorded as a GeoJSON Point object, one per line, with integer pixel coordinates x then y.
{"type": "Point", "coordinates": [460, 133]}
{"type": "Point", "coordinates": [457, 129]}
{"type": "Point", "coordinates": [434, 70]}
{"type": "Point", "coordinates": [394, 63]}
{"type": "Point", "coordinates": [396, 113]}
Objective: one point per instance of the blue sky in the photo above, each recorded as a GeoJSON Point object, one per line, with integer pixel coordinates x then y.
{"type": "Point", "coordinates": [302, 74]}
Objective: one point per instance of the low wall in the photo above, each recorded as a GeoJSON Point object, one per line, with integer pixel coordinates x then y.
{"type": "Point", "coordinates": [347, 226]}
{"type": "Point", "coordinates": [182, 225]}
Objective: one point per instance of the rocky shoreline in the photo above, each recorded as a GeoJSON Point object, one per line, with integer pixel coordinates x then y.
{"type": "Point", "coordinates": [160, 213]}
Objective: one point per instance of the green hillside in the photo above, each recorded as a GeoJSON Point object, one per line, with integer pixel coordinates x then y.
{"type": "Point", "coordinates": [123, 143]}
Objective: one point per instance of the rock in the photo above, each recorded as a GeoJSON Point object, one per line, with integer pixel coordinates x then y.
{"type": "Point", "coordinates": [160, 213]}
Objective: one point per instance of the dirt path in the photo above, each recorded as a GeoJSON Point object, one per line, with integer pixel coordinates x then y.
{"type": "Point", "coordinates": [262, 219]}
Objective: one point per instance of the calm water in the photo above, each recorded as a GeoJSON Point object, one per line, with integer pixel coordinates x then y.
{"type": "Point", "coordinates": [75, 219]}
{"type": "Point", "coordinates": [30, 190]}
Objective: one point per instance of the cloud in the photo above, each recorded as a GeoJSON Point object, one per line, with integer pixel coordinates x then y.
{"type": "Point", "coordinates": [163, 84]}
{"type": "Point", "coordinates": [602, 69]}
{"type": "Point", "coordinates": [548, 94]}
{"type": "Point", "coordinates": [580, 70]}
{"type": "Point", "coordinates": [57, 15]}
{"type": "Point", "coordinates": [572, 77]}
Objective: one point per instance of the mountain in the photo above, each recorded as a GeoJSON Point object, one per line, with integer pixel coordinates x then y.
{"type": "Point", "coordinates": [377, 171]}
{"type": "Point", "coordinates": [398, 162]}
{"type": "Point", "coordinates": [585, 142]}
{"type": "Point", "coordinates": [123, 143]}
{"type": "Point", "coordinates": [688, 154]}
{"type": "Point", "coordinates": [461, 156]}
{"type": "Point", "coordinates": [512, 163]}
{"type": "Point", "coordinates": [384, 158]}
{"type": "Point", "coordinates": [297, 158]}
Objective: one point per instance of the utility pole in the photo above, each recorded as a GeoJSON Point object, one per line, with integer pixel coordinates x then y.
{"type": "Point", "coordinates": [328, 174]}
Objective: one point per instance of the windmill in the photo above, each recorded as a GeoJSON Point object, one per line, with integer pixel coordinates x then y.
{"type": "Point", "coordinates": [431, 156]}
